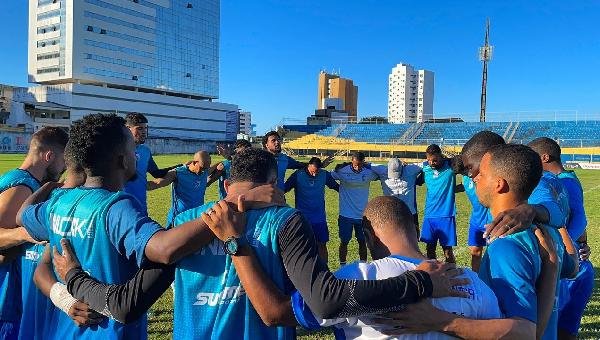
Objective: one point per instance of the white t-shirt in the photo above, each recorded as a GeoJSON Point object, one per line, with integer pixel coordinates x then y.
{"type": "Point", "coordinates": [354, 190]}
{"type": "Point", "coordinates": [403, 187]}
{"type": "Point", "coordinates": [481, 304]}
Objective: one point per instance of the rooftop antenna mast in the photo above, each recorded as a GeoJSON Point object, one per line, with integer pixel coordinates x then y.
{"type": "Point", "coordinates": [485, 55]}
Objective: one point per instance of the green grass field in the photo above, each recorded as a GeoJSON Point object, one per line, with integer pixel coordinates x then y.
{"type": "Point", "coordinates": [160, 320]}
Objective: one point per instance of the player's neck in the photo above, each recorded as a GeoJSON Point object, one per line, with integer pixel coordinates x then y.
{"type": "Point", "coordinates": [241, 188]}
{"type": "Point", "coordinates": [503, 203]}
{"type": "Point", "coordinates": [400, 246]}
{"type": "Point", "coordinates": [111, 183]}
{"type": "Point", "coordinates": [554, 167]}
{"type": "Point", "coordinates": [34, 166]}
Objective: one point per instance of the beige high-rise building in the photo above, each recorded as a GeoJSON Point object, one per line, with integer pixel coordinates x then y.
{"type": "Point", "coordinates": [333, 86]}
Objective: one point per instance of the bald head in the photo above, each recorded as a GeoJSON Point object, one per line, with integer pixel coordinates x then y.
{"type": "Point", "coordinates": [201, 161]}
{"type": "Point", "coordinates": [388, 214]}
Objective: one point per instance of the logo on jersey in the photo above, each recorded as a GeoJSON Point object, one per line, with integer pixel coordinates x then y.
{"type": "Point", "coordinates": [32, 255]}
{"type": "Point", "coordinates": [468, 290]}
{"type": "Point", "coordinates": [69, 226]}
{"type": "Point", "coordinates": [228, 295]}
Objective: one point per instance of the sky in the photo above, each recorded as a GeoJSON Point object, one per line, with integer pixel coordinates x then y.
{"type": "Point", "coordinates": [546, 53]}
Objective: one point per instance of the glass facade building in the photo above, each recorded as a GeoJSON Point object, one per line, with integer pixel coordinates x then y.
{"type": "Point", "coordinates": [161, 45]}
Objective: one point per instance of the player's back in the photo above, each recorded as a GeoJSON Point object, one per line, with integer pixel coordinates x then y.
{"type": "Point", "coordinates": [481, 303]}
{"type": "Point", "coordinates": [209, 301]}
{"type": "Point", "coordinates": [81, 216]}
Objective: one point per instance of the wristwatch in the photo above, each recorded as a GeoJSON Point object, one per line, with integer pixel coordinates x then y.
{"type": "Point", "coordinates": [232, 245]}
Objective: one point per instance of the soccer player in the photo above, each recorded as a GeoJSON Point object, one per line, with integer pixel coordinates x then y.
{"type": "Point", "coordinates": [473, 150]}
{"type": "Point", "coordinates": [512, 265]}
{"type": "Point", "coordinates": [137, 123]}
{"type": "Point", "coordinates": [272, 143]}
{"type": "Point", "coordinates": [38, 310]}
{"type": "Point", "coordinates": [44, 162]}
{"type": "Point", "coordinates": [189, 184]}
{"type": "Point", "coordinates": [574, 294]}
{"type": "Point", "coordinates": [108, 227]}
{"type": "Point", "coordinates": [393, 243]}
{"type": "Point", "coordinates": [399, 179]}
{"type": "Point", "coordinates": [355, 181]}
{"type": "Point", "coordinates": [439, 222]}
{"type": "Point", "coordinates": [309, 188]}
{"type": "Point", "coordinates": [222, 169]}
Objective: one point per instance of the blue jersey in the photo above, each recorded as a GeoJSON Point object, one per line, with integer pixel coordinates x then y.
{"type": "Point", "coordinates": [480, 215]}
{"type": "Point", "coordinates": [109, 232]}
{"type": "Point", "coordinates": [554, 197]}
{"type": "Point", "coordinates": [144, 164]}
{"type": "Point", "coordinates": [187, 191]}
{"type": "Point", "coordinates": [285, 162]}
{"type": "Point", "coordinates": [439, 200]}
{"type": "Point", "coordinates": [10, 280]}
{"type": "Point", "coordinates": [38, 310]}
{"type": "Point", "coordinates": [225, 175]}
{"type": "Point", "coordinates": [511, 267]}
{"type": "Point", "coordinates": [209, 301]}
{"type": "Point", "coordinates": [310, 193]}
{"type": "Point", "coordinates": [577, 221]}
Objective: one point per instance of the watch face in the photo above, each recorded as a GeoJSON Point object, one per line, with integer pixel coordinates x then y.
{"type": "Point", "coordinates": [231, 246]}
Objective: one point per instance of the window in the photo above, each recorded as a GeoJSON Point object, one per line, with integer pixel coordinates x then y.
{"type": "Point", "coordinates": [134, 77]}
{"type": "Point", "coordinates": [90, 29]}
{"type": "Point", "coordinates": [102, 31]}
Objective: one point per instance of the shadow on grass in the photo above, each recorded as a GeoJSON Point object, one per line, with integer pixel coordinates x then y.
{"type": "Point", "coordinates": [590, 325]}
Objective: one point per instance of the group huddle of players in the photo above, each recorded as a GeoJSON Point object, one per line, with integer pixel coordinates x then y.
{"type": "Point", "coordinates": [82, 258]}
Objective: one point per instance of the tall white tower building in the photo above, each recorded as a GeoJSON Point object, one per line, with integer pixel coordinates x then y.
{"type": "Point", "coordinates": [410, 94]}
{"type": "Point", "coordinates": [156, 57]}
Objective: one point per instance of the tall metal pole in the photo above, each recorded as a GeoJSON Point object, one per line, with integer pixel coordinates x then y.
{"type": "Point", "coordinates": [485, 55]}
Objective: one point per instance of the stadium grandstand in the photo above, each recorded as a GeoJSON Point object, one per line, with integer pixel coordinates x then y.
{"type": "Point", "coordinates": [578, 137]}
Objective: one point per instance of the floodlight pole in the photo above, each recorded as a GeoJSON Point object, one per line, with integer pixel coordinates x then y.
{"type": "Point", "coordinates": [485, 55]}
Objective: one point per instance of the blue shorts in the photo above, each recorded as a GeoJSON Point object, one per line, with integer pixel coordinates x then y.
{"type": "Point", "coordinates": [574, 296]}
{"type": "Point", "coordinates": [9, 330]}
{"type": "Point", "coordinates": [439, 228]}
{"type": "Point", "coordinates": [321, 231]}
{"type": "Point", "coordinates": [345, 229]}
{"type": "Point", "coordinates": [476, 236]}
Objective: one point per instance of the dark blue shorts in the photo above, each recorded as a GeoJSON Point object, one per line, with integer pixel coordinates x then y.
{"type": "Point", "coordinates": [346, 225]}
{"type": "Point", "coordinates": [9, 330]}
{"type": "Point", "coordinates": [574, 296]}
{"type": "Point", "coordinates": [441, 229]}
{"type": "Point", "coordinates": [476, 236]}
{"type": "Point", "coordinates": [321, 231]}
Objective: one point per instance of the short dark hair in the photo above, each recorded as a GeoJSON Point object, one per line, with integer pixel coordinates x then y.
{"type": "Point", "coordinates": [480, 143]}
{"type": "Point", "coordinates": [316, 161]}
{"type": "Point", "coordinates": [71, 162]}
{"type": "Point", "coordinates": [545, 145]}
{"type": "Point", "coordinates": [49, 137]}
{"type": "Point", "coordinates": [134, 118]}
{"type": "Point", "coordinates": [359, 155]}
{"type": "Point", "coordinates": [253, 165]}
{"type": "Point", "coordinates": [269, 134]}
{"type": "Point", "coordinates": [389, 212]}
{"type": "Point", "coordinates": [94, 139]}
{"type": "Point", "coordinates": [242, 143]}
{"type": "Point", "coordinates": [519, 165]}
{"type": "Point", "coordinates": [433, 149]}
